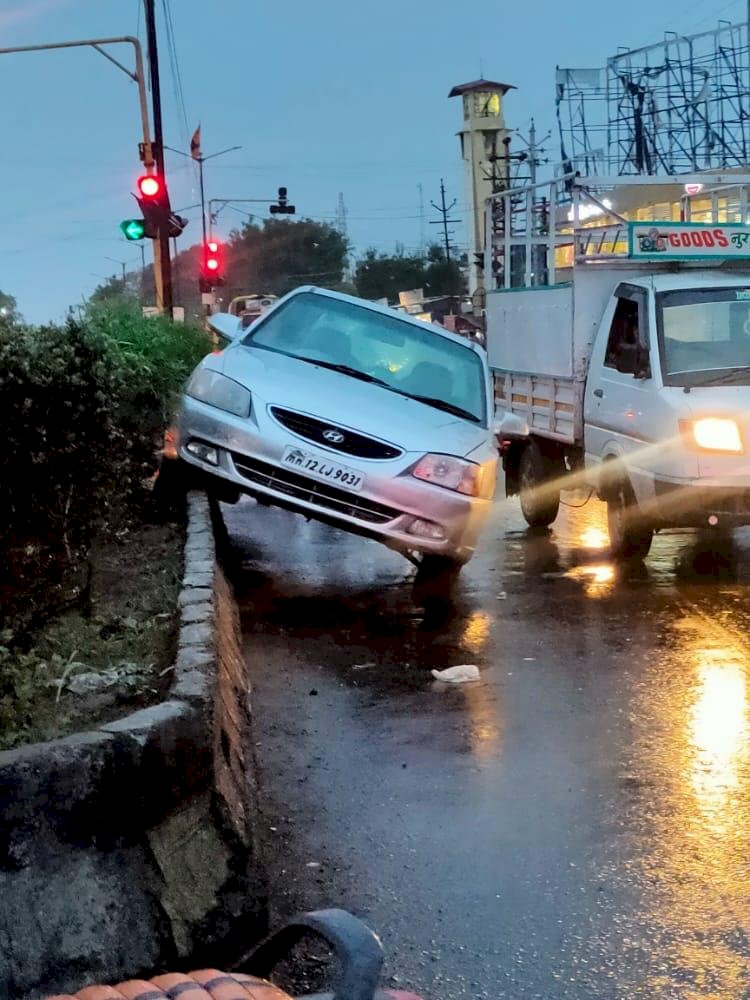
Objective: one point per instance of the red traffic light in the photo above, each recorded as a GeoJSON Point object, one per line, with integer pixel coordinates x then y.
{"type": "Point", "coordinates": [212, 264]}
{"type": "Point", "coordinates": [150, 186]}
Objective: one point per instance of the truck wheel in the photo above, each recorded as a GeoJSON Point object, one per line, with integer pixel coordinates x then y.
{"type": "Point", "coordinates": [540, 496]}
{"type": "Point", "coordinates": [629, 537]}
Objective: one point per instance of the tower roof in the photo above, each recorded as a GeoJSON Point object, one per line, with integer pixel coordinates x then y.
{"type": "Point", "coordinates": [466, 88]}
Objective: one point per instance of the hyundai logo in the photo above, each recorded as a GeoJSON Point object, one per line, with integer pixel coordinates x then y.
{"type": "Point", "coordinates": [334, 436]}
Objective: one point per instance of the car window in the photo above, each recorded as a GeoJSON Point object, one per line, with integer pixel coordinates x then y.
{"type": "Point", "coordinates": [409, 359]}
{"type": "Point", "coordinates": [623, 333]}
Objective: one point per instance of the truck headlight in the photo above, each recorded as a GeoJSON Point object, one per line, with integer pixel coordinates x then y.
{"type": "Point", "coordinates": [452, 473]}
{"type": "Point", "coordinates": [219, 391]}
{"type": "Point", "coordinates": [716, 434]}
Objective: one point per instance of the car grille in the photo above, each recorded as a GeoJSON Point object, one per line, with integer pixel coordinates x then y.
{"type": "Point", "coordinates": [321, 494]}
{"type": "Point", "coordinates": [352, 443]}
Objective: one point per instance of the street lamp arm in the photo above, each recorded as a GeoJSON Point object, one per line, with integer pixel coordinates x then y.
{"type": "Point", "coordinates": [138, 76]}
{"type": "Point", "coordinates": [126, 71]}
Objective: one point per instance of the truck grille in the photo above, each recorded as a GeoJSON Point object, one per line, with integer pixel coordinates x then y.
{"type": "Point", "coordinates": [352, 443]}
{"type": "Point", "coordinates": [321, 494]}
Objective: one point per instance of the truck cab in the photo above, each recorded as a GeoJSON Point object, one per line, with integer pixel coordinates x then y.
{"type": "Point", "coordinates": [630, 377]}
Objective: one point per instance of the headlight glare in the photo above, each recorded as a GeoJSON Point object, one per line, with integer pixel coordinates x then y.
{"type": "Point", "coordinates": [217, 390]}
{"type": "Point", "coordinates": [451, 473]}
{"type": "Point", "coordinates": [717, 434]}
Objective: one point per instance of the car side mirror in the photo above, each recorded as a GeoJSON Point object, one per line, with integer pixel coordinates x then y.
{"type": "Point", "coordinates": [226, 325]}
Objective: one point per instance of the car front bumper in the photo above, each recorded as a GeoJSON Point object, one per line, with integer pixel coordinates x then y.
{"type": "Point", "coordinates": [387, 508]}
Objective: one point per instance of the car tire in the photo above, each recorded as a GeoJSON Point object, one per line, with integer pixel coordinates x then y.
{"type": "Point", "coordinates": [629, 537]}
{"type": "Point", "coordinates": [540, 498]}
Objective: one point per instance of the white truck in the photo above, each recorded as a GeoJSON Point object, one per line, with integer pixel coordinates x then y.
{"type": "Point", "coordinates": [620, 349]}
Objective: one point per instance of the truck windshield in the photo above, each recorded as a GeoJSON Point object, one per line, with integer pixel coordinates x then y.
{"type": "Point", "coordinates": [407, 358]}
{"type": "Point", "coordinates": [705, 335]}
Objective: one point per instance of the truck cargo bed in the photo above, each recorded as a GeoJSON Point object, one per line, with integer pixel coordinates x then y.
{"type": "Point", "coordinates": [551, 407]}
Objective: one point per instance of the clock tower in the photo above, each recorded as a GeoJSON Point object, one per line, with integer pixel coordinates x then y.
{"type": "Point", "coordinates": [485, 166]}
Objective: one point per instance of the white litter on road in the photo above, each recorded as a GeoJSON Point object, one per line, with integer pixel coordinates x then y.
{"type": "Point", "coordinates": [461, 674]}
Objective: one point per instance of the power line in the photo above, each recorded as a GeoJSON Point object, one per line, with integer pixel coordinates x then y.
{"type": "Point", "coordinates": [177, 88]}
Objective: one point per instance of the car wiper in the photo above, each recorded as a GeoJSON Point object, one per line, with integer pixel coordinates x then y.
{"type": "Point", "coordinates": [345, 370]}
{"type": "Point", "coordinates": [442, 404]}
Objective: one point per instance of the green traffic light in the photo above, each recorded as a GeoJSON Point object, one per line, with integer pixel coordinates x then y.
{"type": "Point", "coordinates": [133, 229]}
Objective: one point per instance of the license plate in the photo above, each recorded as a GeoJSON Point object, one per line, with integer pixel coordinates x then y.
{"type": "Point", "coordinates": [321, 468]}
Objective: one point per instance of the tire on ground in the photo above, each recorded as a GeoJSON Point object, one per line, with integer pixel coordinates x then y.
{"type": "Point", "coordinates": [539, 488]}
{"type": "Point", "coordinates": [630, 536]}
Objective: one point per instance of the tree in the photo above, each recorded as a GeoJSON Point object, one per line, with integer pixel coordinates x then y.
{"type": "Point", "coordinates": [273, 258]}
{"type": "Point", "coordinates": [383, 276]}
{"type": "Point", "coordinates": [9, 313]}
{"type": "Point", "coordinates": [116, 289]}
{"type": "Point", "coordinates": [443, 276]}
{"type": "Point", "coordinates": [380, 276]}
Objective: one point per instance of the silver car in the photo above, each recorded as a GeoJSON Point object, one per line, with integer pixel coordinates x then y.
{"type": "Point", "coordinates": [350, 413]}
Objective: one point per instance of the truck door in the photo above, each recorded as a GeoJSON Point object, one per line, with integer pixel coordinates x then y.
{"type": "Point", "coordinates": [620, 390]}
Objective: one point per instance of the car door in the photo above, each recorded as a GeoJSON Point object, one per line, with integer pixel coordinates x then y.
{"type": "Point", "coordinates": [620, 390]}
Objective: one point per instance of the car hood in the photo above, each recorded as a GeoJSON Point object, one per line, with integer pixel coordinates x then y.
{"type": "Point", "coordinates": [283, 381]}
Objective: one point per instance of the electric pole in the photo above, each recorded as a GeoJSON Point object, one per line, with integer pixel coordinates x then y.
{"type": "Point", "coordinates": [422, 231]}
{"type": "Point", "coordinates": [444, 221]}
{"type": "Point", "coordinates": [163, 260]}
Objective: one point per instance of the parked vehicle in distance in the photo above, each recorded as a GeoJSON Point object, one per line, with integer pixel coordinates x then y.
{"type": "Point", "coordinates": [250, 307]}
{"type": "Point", "coordinates": [621, 353]}
{"type": "Point", "coordinates": [347, 412]}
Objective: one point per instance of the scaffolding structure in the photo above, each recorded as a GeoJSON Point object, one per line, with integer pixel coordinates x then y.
{"type": "Point", "coordinates": [680, 105]}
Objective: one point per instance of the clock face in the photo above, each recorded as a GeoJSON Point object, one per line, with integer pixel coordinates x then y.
{"type": "Point", "coordinates": [486, 104]}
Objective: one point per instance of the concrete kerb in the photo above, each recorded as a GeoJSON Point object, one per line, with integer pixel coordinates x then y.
{"type": "Point", "coordinates": [111, 785]}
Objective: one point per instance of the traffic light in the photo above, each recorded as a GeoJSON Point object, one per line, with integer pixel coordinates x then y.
{"type": "Point", "coordinates": [282, 207]}
{"type": "Point", "coordinates": [153, 199]}
{"type": "Point", "coordinates": [133, 229]}
{"type": "Point", "coordinates": [212, 266]}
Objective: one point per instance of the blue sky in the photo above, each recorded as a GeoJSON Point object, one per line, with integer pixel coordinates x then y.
{"type": "Point", "coordinates": [323, 96]}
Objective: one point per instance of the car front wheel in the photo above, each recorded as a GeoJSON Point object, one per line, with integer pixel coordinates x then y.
{"type": "Point", "coordinates": [629, 537]}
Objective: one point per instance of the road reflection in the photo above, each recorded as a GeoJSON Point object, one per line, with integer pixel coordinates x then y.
{"type": "Point", "coordinates": [718, 727]}
{"type": "Point", "coordinates": [695, 861]}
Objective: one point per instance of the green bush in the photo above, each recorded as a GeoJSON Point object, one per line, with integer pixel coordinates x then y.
{"type": "Point", "coordinates": [83, 407]}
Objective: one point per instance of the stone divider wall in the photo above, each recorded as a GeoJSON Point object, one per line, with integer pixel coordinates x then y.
{"type": "Point", "coordinates": [131, 847]}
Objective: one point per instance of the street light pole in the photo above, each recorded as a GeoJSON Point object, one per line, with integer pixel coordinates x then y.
{"type": "Point", "coordinates": [200, 160]}
{"type": "Point", "coordinates": [164, 262]}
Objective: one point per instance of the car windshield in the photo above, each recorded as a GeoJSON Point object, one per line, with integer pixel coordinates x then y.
{"type": "Point", "coordinates": [405, 357]}
{"type": "Point", "coordinates": [705, 335]}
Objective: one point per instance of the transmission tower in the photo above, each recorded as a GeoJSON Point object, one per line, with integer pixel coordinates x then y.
{"type": "Point", "coordinates": [677, 106]}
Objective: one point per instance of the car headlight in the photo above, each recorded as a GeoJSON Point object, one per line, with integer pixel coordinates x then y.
{"type": "Point", "coordinates": [715, 434]}
{"type": "Point", "coordinates": [452, 473]}
{"type": "Point", "coordinates": [218, 390]}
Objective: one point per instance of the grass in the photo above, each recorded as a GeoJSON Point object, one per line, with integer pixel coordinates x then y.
{"type": "Point", "coordinates": [101, 661]}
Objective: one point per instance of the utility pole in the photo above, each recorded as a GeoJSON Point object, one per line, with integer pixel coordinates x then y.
{"type": "Point", "coordinates": [122, 264]}
{"type": "Point", "coordinates": [422, 231]}
{"type": "Point", "coordinates": [444, 221]}
{"type": "Point", "coordinates": [162, 259]}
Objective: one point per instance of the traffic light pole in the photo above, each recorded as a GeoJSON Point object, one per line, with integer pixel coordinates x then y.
{"type": "Point", "coordinates": [162, 259]}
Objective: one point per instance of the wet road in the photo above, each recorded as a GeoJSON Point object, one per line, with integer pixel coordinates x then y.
{"type": "Point", "coordinates": [576, 824]}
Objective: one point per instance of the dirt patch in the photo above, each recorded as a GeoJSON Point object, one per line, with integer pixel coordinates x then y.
{"type": "Point", "coordinates": [105, 658]}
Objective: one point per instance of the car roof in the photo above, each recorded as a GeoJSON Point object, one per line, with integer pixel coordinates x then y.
{"type": "Point", "coordinates": [440, 331]}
